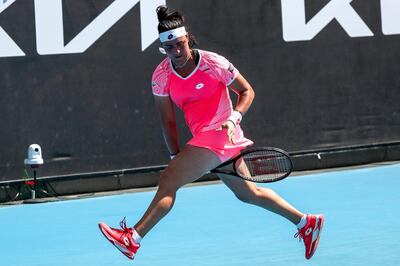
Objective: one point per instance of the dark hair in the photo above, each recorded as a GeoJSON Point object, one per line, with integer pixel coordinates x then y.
{"type": "Point", "coordinates": [172, 20]}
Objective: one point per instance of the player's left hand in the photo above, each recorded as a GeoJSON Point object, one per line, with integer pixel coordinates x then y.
{"type": "Point", "coordinates": [230, 130]}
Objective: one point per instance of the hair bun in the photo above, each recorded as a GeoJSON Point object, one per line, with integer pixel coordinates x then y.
{"type": "Point", "coordinates": [162, 13]}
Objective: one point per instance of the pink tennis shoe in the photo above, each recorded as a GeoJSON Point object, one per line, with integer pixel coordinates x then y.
{"type": "Point", "coordinates": [121, 239]}
{"type": "Point", "coordinates": [310, 233]}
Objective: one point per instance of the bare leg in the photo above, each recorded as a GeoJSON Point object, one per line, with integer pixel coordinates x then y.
{"type": "Point", "coordinates": [264, 197]}
{"type": "Point", "coordinates": [190, 164]}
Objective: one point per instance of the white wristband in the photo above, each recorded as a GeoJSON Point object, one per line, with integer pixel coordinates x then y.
{"type": "Point", "coordinates": [235, 117]}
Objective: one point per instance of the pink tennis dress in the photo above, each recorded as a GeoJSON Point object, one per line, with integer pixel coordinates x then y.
{"type": "Point", "coordinates": [204, 99]}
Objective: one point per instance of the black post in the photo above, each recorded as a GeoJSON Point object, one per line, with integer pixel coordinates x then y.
{"type": "Point", "coordinates": [34, 199]}
{"type": "Point", "coordinates": [34, 183]}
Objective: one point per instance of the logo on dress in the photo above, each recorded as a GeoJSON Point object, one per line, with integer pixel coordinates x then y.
{"type": "Point", "coordinates": [199, 86]}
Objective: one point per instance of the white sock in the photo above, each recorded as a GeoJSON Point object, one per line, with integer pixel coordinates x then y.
{"type": "Point", "coordinates": [135, 236]}
{"type": "Point", "coordinates": [302, 222]}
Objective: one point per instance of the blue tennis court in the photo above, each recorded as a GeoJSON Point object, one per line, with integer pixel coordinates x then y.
{"type": "Point", "coordinates": [208, 226]}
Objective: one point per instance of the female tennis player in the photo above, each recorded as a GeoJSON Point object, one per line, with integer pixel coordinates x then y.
{"type": "Point", "coordinates": [197, 82]}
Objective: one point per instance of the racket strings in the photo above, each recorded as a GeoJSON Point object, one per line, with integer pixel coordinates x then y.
{"type": "Point", "coordinates": [267, 165]}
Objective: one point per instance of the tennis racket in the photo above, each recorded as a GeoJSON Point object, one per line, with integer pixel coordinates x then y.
{"type": "Point", "coordinates": [261, 165]}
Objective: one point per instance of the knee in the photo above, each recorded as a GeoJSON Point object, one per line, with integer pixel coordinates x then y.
{"type": "Point", "coordinates": [167, 183]}
{"type": "Point", "coordinates": [255, 195]}
{"type": "Point", "coordinates": [248, 196]}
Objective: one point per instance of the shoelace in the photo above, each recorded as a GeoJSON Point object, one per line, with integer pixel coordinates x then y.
{"type": "Point", "coordinates": [298, 234]}
{"type": "Point", "coordinates": [126, 230]}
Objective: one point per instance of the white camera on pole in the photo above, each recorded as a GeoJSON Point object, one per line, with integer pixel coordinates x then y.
{"type": "Point", "coordinates": [34, 160]}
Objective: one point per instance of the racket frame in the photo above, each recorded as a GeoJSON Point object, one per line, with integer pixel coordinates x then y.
{"type": "Point", "coordinates": [251, 150]}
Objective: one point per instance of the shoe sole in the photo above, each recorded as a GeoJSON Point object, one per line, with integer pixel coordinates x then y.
{"type": "Point", "coordinates": [109, 238]}
{"type": "Point", "coordinates": [321, 225]}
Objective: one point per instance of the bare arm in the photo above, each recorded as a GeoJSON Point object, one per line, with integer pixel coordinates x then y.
{"type": "Point", "coordinates": [245, 93]}
{"type": "Point", "coordinates": [168, 123]}
{"type": "Point", "coordinates": [245, 97]}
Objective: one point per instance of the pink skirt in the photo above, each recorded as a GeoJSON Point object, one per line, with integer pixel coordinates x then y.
{"type": "Point", "coordinates": [217, 141]}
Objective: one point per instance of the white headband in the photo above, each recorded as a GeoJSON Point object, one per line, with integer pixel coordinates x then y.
{"type": "Point", "coordinates": [172, 34]}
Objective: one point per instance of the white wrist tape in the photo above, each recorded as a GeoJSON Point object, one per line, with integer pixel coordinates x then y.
{"type": "Point", "coordinates": [235, 117]}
